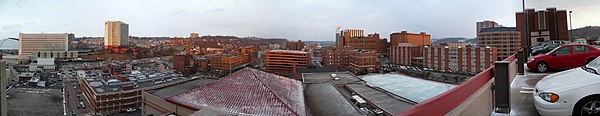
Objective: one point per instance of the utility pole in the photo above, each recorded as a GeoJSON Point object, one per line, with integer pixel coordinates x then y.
{"type": "Point", "coordinates": [571, 26]}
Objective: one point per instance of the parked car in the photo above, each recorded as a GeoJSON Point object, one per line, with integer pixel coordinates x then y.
{"type": "Point", "coordinates": [582, 41]}
{"type": "Point", "coordinates": [572, 92]}
{"type": "Point", "coordinates": [546, 43]}
{"type": "Point", "coordinates": [566, 56]}
{"type": "Point", "coordinates": [546, 49]}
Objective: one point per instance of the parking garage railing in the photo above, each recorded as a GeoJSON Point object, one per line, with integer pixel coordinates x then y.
{"type": "Point", "coordinates": [444, 103]}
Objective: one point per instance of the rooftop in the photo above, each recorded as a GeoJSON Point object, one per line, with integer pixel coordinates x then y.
{"type": "Point", "coordinates": [247, 92]}
{"type": "Point", "coordinates": [180, 88]}
{"type": "Point", "coordinates": [289, 51]}
{"type": "Point", "coordinates": [102, 82]}
{"type": "Point", "coordinates": [413, 89]}
{"type": "Point", "coordinates": [498, 29]}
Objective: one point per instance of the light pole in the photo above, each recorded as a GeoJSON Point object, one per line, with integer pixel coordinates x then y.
{"type": "Point", "coordinates": [571, 26]}
{"type": "Point", "coordinates": [527, 48]}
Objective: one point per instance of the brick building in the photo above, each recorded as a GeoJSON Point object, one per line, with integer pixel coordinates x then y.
{"type": "Point", "coordinates": [506, 39]}
{"type": "Point", "coordinates": [227, 62]}
{"type": "Point", "coordinates": [364, 60]}
{"type": "Point", "coordinates": [459, 59]}
{"type": "Point", "coordinates": [403, 54]}
{"type": "Point", "coordinates": [355, 38]}
{"type": "Point", "coordinates": [420, 39]}
{"type": "Point", "coordinates": [338, 57]}
{"type": "Point", "coordinates": [544, 25]}
{"type": "Point", "coordinates": [295, 45]}
{"type": "Point", "coordinates": [284, 62]}
{"type": "Point", "coordinates": [181, 62]}
{"type": "Point", "coordinates": [486, 24]}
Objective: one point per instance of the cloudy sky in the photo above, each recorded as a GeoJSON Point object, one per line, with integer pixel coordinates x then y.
{"type": "Point", "coordinates": [291, 19]}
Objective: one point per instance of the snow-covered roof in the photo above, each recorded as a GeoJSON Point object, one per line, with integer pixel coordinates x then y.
{"type": "Point", "coordinates": [247, 92]}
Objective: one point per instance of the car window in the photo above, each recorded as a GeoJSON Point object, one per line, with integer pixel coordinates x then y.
{"type": "Point", "coordinates": [577, 49]}
{"type": "Point", "coordinates": [561, 51]}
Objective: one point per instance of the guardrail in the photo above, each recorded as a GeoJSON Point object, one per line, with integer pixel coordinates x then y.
{"type": "Point", "coordinates": [447, 101]}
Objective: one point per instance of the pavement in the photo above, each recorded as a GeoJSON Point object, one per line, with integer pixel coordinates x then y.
{"type": "Point", "coordinates": [324, 100]}
{"type": "Point", "coordinates": [521, 98]}
{"type": "Point", "coordinates": [35, 102]}
{"type": "Point", "coordinates": [73, 100]}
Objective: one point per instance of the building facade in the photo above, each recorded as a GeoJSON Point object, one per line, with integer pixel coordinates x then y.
{"type": "Point", "coordinates": [56, 54]}
{"type": "Point", "coordinates": [3, 83]}
{"type": "Point", "coordinates": [383, 47]}
{"type": "Point", "coordinates": [228, 62]}
{"type": "Point", "coordinates": [486, 24]}
{"type": "Point", "coordinates": [506, 39]}
{"type": "Point", "coordinates": [194, 35]}
{"type": "Point", "coordinates": [364, 60]}
{"type": "Point", "coordinates": [295, 45]}
{"type": "Point", "coordinates": [31, 43]}
{"type": "Point", "coordinates": [181, 62]}
{"type": "Point", "coordinates": [343, 37]}
{"type": "Point", "coordinates": [338, 57]}
{"type": "Point", "coordinates": [116, 34]}
{"type": "Point", "coordinates": [420, 39]}
{"type": "Point", "coordinates": [403, 54]}
{"type": "Point", "coordinates": [284, 62]}
{"type": "Point", "coordinates": [544, 25]}
{"type": "Point", "coordinates": [458, 59]}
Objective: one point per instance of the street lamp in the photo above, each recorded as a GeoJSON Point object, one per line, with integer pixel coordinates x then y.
{"type": "Point", "coordinates": [571, 26]}
{"type": "Point", "coordinates": [527, 47]}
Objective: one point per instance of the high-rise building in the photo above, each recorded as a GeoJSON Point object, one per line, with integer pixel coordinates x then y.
{"type": "Point", "coordinates": [364, 60]}
{"type": "Point", "coordinates": [285, 62]}
{"type": "Point", "coordinates": [420, 39]}
{"type": "Point", "coordinates": [338, 57]}
{"type": "Point", "coordinates": [116, 34]}
{"type": "Point", "coordinates": [343, 37]}
{"type": "Point", "coordinates": [486, 24]}
{"type": "Point", "coordinates": [459, 59]}
{"type": "Point", "coordinates": [544, 25]}
{"type": "Point", "coordinates": [194, 35]}
{"type": "Point", "coordinates": [31, 43]}
{"type": "Point", "coordinates": [506, 39]}
{"type": "Point", "coordinates": [295, 45]}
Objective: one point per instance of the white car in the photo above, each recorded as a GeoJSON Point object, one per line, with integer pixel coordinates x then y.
{"type": "Point", "coordinates": [572, 92]}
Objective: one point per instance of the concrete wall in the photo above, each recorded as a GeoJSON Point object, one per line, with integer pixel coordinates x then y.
{"type": "Point", "coordinates": [157, 106]}
{"type": "Point", "coordinates": [481, 103]}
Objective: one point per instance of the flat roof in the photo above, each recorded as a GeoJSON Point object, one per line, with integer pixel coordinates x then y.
{"type": "Point", "coordinates": [414, 89]}
{"type": "Point", "coordinates": [180, 88]}
{"type": "Point", "coordinates": [289, 51]}
{"type": "Point", "coordinates": [344, 77]}
{"type": "Point", "coordinates": [323, 99]}
{"type": "Point", "coordinates": [384, 100]}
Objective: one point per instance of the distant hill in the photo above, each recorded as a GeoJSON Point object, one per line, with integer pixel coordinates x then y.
{"type": "Point", "coordinates": [453, 39]}
{"type": "Point", "coordinates": [589, 32]}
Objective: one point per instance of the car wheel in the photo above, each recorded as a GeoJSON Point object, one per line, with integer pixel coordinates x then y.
{"type": "Point", "coordinates": [587, 107]}
{"type": "Point", "coordinates": [589, 60]}
{"type": "Point", "coordinates": [542, 67]}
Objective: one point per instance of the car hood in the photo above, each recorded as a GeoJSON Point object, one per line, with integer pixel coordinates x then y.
{"type": "Point", "coordinates": [567, 80]}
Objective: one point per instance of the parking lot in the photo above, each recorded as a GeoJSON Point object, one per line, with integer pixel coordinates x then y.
{"type": "Point", "coordinates": [35, 102]}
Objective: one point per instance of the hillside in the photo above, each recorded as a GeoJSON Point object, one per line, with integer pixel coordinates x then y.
{"type": "Point", "coordinates": [588, 32]}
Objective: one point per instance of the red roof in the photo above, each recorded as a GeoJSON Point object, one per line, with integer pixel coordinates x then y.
{"type": "Point", "coordinates": [248, 91]}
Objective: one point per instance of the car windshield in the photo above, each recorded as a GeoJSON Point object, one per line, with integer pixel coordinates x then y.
{"type": "Point", "coordinates": [593, 66]}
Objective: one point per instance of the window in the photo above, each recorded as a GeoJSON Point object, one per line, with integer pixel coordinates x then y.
{"type": "Point", "coordinates": [565, 50]}
{"type": "Point", "coordinates": [577, 49]}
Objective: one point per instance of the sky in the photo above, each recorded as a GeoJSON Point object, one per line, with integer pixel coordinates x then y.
{"type": "Point", "coordinates": [290, 19]}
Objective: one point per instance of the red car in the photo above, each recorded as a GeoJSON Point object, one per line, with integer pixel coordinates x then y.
{"type": "Point", "coordinates": [566, 56]}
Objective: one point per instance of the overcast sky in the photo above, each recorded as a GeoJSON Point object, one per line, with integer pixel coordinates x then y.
{"type": "Point", "coordinates": [291, 19]}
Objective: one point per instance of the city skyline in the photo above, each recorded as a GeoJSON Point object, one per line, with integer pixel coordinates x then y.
{"type": "Point", "coordinates": [316, 20]}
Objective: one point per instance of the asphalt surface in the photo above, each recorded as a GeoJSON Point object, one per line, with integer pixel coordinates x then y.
{"type": "Point", "coordinates": [35, 102]}
{"type": "Point", "coordinates": [520, 99]}
{"type": "Point", "coordinates": [324, 100]}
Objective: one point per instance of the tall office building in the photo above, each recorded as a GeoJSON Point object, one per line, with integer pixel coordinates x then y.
{"type": "Point", "coordinates": [194, 35]}
{"type": "Point", "coordinates": [506, 39]}
{"type": "Point", "coordinates": [116, 34]}
{"type": "Point", "coordinates": [486, 24]}
{"type": "Point", "coordinates": [33, 43]}
{"type": "Point", "coordinates": [343, 37]}
{"type": "Point", "coordinates": [544, 25]}
{"type": "Point", "coordinates": [285, 62]}
{"type": "Point", "coordinates": [420, 39]}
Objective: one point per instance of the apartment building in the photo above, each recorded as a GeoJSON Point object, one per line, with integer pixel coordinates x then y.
{"type": "Point", "coordinates": [506, 39]}
{"type": "Point", "coordinates": [459, 59]}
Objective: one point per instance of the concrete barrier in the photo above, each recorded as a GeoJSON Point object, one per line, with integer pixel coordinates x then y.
{"type": "Point", "coordinates": [481, 103]}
